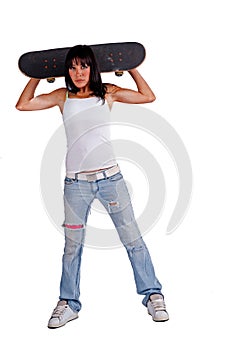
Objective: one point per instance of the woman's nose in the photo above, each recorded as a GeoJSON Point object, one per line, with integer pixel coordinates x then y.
{"type": "Point", "coordinates": [78, 71]}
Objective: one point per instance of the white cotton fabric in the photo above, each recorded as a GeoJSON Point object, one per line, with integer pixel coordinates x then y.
{"type": "Point", "coordinates": [87, 126]}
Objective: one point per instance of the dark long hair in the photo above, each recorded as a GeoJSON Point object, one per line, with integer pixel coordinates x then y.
{"type": "Point", "coordinates": [85, 55]}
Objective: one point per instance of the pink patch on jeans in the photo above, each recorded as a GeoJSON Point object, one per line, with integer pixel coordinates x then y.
{"type": "Point", "coordinates": [73, 227]}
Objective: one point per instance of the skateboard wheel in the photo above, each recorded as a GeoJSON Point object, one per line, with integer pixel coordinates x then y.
{"type": "Point", "coordinates": [119, 73]}
{"type": "Point", "coordinates": [50, 80]}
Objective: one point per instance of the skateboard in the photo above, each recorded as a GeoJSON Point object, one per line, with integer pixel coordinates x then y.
{"type": "Point", "coordinates": [112, 57]}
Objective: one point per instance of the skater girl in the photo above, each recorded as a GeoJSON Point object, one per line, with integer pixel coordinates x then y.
{"type": "Point", "coordinates": [92, 172]}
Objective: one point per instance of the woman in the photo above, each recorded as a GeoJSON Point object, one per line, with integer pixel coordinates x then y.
{"type": "Point", "coordinates": [92, 172]}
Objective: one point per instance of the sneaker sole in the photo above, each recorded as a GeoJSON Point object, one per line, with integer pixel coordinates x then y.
{"type": "Point", "coordinates": [161, 320]}
{"type": "Point", "coordinates": [62, 324]}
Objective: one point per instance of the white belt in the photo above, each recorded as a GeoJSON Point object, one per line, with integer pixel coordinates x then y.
{"type": "Point", "coordinates": [97, 175]}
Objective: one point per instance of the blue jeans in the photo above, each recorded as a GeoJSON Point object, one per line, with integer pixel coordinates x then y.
{"type": "Point", "coordinates": [113, 194]}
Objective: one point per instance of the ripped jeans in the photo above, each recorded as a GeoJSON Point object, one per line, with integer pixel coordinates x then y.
{"type": "Point", "coordinates": [113, 194]}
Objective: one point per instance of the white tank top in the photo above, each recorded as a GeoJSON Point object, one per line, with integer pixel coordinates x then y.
{"type": "Point", "coordinates": [87, 126]}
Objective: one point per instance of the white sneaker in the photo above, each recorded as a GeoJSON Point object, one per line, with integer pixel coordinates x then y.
{"type": "Point", "coordinates": [157, 308]}
{"type": "Point", "coordinates": [61, 315]}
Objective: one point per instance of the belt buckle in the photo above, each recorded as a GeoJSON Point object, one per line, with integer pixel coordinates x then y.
{"type": "Point", "coordinates": [91, 177]}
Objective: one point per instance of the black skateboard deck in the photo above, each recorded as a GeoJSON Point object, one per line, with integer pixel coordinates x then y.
{"type": "Point", "coordinates": [112, 57]}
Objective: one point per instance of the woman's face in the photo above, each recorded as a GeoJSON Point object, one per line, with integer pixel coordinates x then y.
{"type": "Point", "coordinates": [80, 74]}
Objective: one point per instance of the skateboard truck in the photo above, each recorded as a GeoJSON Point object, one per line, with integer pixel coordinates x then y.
{"type": "Point", "coordinates": [119, 73]}
{"type": "Point", "coordinates": [50, 80]}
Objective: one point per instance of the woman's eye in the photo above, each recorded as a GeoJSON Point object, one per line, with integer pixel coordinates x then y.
{"type": "Point", "coordinates": [85, 66]}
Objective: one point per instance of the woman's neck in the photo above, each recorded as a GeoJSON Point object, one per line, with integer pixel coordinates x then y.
{"type": "Point", "coordinates": [82, 94]}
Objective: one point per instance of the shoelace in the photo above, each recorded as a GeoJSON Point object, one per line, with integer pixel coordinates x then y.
{"type": "Point", "coordinates": [58, 311]}
{"type": "Point", "coordinates": [158, 305]}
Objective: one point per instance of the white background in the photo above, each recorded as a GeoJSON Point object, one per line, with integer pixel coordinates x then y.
{"type": "Point", "coordinates": [189, 66]}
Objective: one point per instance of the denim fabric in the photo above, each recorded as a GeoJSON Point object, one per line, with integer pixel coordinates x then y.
{"type": "Point", "coordinates": [113, 194]}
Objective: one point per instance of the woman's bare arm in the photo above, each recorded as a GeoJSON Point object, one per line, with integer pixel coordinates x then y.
{"type": "Point", "coordinates": [144, 94]}
{"type": "Point", "coordinates": [29, 102]}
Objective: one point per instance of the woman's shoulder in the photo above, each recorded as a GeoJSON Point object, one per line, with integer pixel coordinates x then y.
{"type": "Point", "coordinates": [111, 88]}
{"type": "Point", "coordinates": [59, 94]}
{"type": "Point", "coordinates": [60, 91]}
{"type": "Point", "coordinates": [111, 93]}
